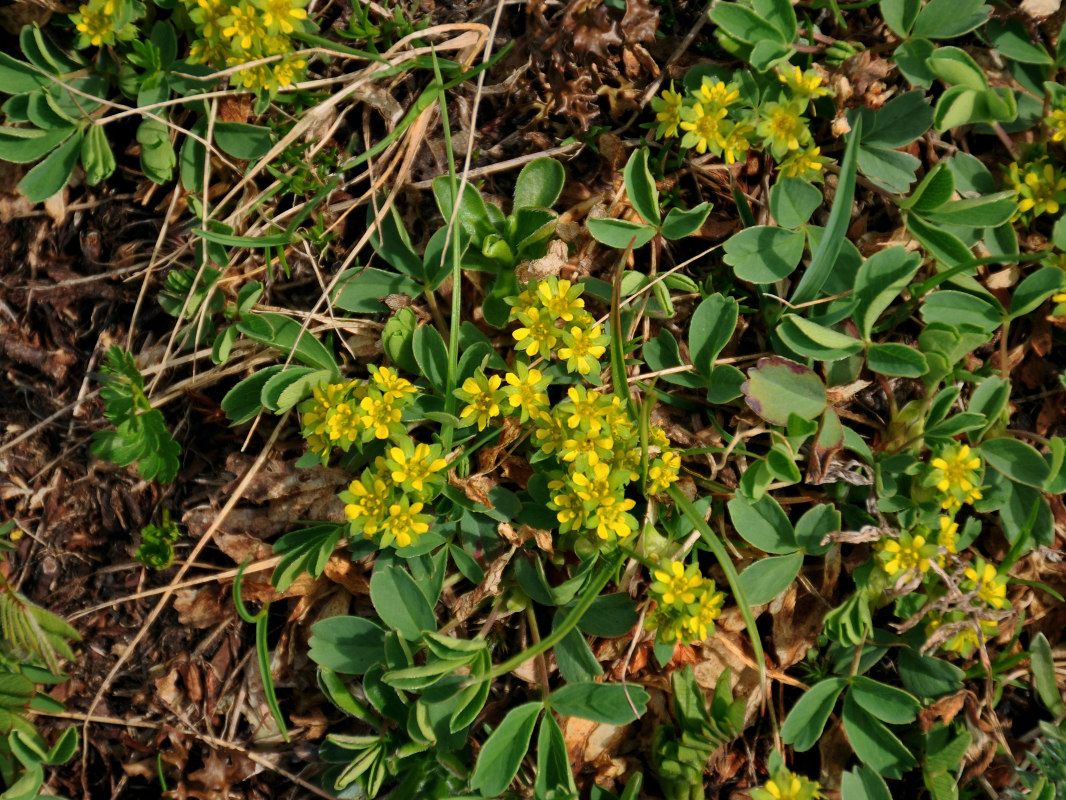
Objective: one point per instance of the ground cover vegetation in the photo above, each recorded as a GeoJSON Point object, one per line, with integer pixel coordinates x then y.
{"type": "Point", "coordinates": [603, 399]}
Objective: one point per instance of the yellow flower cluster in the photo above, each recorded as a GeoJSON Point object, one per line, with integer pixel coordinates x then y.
{"type": "Point", "coordinates": [787, 785]}
{"type": "Point", "coordinates": [553, 321]}
{"type": "Point", "coordinates": [716, 119]}
{"type": "Point", "coordinates": [590, 435]}
{"type": "Point", "coordinates": [987, 590]}
{"type": "Point", "coordinates": [1040, 186]}
{"type": "Point", "coordinates": [913, 553]}
{"type": "Point", "coordinates": [687, 604]}
{"type": "Point", "coordinates": [385, 503]}
{"type": "Point", "coordinates": [956, 474]}
{"type": "Point", "coordinates": [235, 33]}
{"type": "Point", "coordinates": [105, 22]}
{"type": "Point", "coordinates": [345, 414]}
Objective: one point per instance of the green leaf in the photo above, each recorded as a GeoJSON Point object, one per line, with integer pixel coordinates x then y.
{"type": "Point", "coordinates": [864, 783]}
{"type": "Point", "coordinates": [600, 702]}
{"type": "Point", "coordinates": [815, 341]}
{"type": "Point", "coordinates": [768, 577]}
{"type": "Point", "coordinates": [764, 254]}
{"type": "Point", "coordinates": [1042, 665]}
{"type": "Point", "coordinates": [26, 145]}
{"type": "Point", "coordinates": [432, 356]}
{"type": "Point", "coordinates": [662, 353]}
{"type": "Point", "coordinates": [610, 615]}
{"type": "Point", "coordinates": [960, 105]}
{"type": "Point", "coordinates": [900, 15]}
{"type": "Point", "coordinates": [956, 67]}
{"type": "Point", "coordinates": [503, 751]}
{"type": "Point", "coordinates": [539, 184]}
{"type": "Point", "coordinates": [241, 140]}
{"type": "Point", "coordinates": [1034, 290]}
{"type": "Point", "coordinates": [288, 336]}
{"type": "Point", "coordinates": [1017, 460]}
{"type": "Point", "coordinates": [988, 211]}
{"type": "Point", "coordinates": [954, 309]}
{"type": "Point", "coordinates": [1012, 41]}
{"type": "Point", "coordinates": [361, 291]}
{"type": "Point", "coordinates": [575, 658]}
{"type": "Point", "coordinates": [890, 169]}
{"type": "Point", "coordinates": [391, 241]}
{"type": "Point", "coordinates": [400, 603]}
{"type": "Point", "coordinates": [680, 223]}
{"type": "Point", "coordinates": [746, 25]}
{"type": "Point", "coordinates": [780, 14]}
{"type": "Point", "coordinates": [792, 201]}
{"type": "Point", "coordinates": [816, 523]}
{"type": "Point", "coordinates": [824, 257]}
{"type": "Point", "coordinates": [899, 122]}
{"type": "Point", "coordinates": [710, 330]}
{"type": "Point", "coordinates": [763, 524]}
{"type": "Point", "coordinates": [618, 233]}
{"type": "Point", "coordinates": [778, 387]}
{"type": "Point", "coordinates": [473, 216]}
{"type": "Point", "coordinates": [887, 703]}
{"type": "Point", "coordinates": [304, 550]}
{"type": "Point", "coordinates": [936, 188]}
{"type": "Point", "coordinates": [879, 282]}
{"type": "Point", "coordinates": [242, 402]}
{"type": "Point", "coordinates": [896, 360]}
{"type": "Point", "coordinates": [946, 19]}
{"type": "Point", "coordinates": [873, 743]}
{"type": "Point", "coordinates": [555, 778]}
{"type": "Point", "coordinates": [805, 722]}
{"type": "Point", "coordinates": [640, 187]}
{"type": "Point", "coordinates": [294, 383]}
{"type": "Point", "coordinates": [18, 77]}
{"type": "Point", "coordinates": [96, 155]}
{"type": "Point", "coordinates": [52, 174]}
{"type": "Point", "coordinates": [349, 645]}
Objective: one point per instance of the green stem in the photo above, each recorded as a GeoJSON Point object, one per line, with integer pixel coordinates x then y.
{"type": "Point", "coordinates": [457, 271]}
{"type": "Point", "coordinates": [731, 577]}
{"type": "Point", "coordinates": [591, 592]}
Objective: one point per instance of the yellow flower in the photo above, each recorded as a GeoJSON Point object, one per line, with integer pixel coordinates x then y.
{"type": "Point", "coordinates": [483, 397]}
{"type": "Point", "coordinates": [718, 95]}
{"type": "Point", "coordinates": [583, 409]}
{"type": "Point", "coordinates": [908, 553]}
{"type": "Point", "coordinates": [282, 16]}
{"type": "Point", "coordinates": [594, 486]}
{"type": "Point", "coordinates": [677, 584]}
{"type": "Point", "coordinates": [94, 21]}
{"type": "Point", "coordinates": [416, 466]}
{"type": "Point", "coordinates": [380, 417]}
{"type": "Point", "coordinates": [945, 538]}
{"type": "Point", "coordinates": [806, 164]}
{"type": "Point", "coordinates": [667, 112]}
{"type": "Point", "coordinates": [286, 72]}
{"type": "Point", "coordinates": [367, 503]}
{"type": "Point", "coordinates": [561, 298]}
{"type": "Point", "coordinates": [663, 471]}
{"type": "Point", "coordinates": [787, 785]}
{"type": "Point", "coordinates": [582, 349]}
{"type": "Point", "coordinates": [736, 144]}
{"type": "Point", "coordinates": [783, 128]}
{"type": "Point", "coordinates": [1057, 123]}
{"type": "Point", "coordinates": [391, 385]}
{"type": "Point", "coordinates": [704, 128]}
{"type": "Point", "coordinates": [1041, 188]}
{"type": "Point", "coordinates": [700, 623]}
{"type": "Point", "coordinates": [538, 334]}
{"type": "Point", "coordinates": [804, 84]}
{"type": "Point", "coordinates": [990, 585]}
{"type": "Point", "coordinates": [1058, 298]}
{"type": "Point", "coordinates": [525, 391]}
{"type": "Point", "coordinates": [955, 474]}
{"type": "Point", "coordinates": [243, 26]}
{"type": "Point", "coordinates": [965, 635]}
{"type": "Point", "coordinates": [568, 507]}
{"type": "Point", "coordinates": [404, 524]}
{"type": "Point", "coordinates": [613, 520]}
